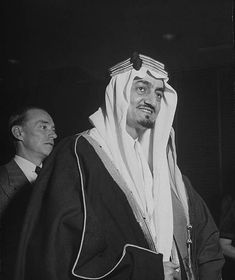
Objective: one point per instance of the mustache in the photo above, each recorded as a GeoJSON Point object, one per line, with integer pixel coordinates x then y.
{"type": "Point", "coordinates": [149, 106]}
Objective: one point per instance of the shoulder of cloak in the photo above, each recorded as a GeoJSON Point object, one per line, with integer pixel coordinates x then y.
{"type": "Point", "coordinates": [199, 212]}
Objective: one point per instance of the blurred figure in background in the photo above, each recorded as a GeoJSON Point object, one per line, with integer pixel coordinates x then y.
{"type": "Point", "coordinates": [32, 131]}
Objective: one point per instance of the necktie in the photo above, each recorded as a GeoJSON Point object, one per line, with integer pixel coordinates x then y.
{"type": "Point", "coordinates": [37, 170]}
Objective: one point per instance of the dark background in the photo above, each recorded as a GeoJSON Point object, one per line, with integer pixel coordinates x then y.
{"type": "Point", "coordinates": [55, 54]}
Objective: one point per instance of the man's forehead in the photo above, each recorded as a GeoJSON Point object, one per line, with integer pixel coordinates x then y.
{"type": "Point", "coordinates": [36, 115]}
{"type": "Point", "coordinates": [150, 80]}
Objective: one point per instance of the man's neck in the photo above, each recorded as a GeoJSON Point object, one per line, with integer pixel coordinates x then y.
{"type": "Point", "coordinates": [134, 132]}
{"type": "Point", "coordinates": [30, 158]}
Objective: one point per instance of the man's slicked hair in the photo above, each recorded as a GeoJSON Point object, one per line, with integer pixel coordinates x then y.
{"type": "Point", "coordinates": [18, 118]}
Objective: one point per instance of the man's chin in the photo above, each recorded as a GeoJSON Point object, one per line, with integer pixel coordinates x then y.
{"type": "Point", "coordinates": [147, 123]}
{"type": "Point", "coordinates": [48, 150]}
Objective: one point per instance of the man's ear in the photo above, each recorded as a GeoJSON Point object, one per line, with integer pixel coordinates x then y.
{"type": "Point", "coordinates": [17, 132]}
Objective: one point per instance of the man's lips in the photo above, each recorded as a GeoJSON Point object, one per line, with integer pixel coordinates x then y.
{"type": "Point", "coordinates": [146, 109]}
{"type": "Point", "coordinates": [49, 143]}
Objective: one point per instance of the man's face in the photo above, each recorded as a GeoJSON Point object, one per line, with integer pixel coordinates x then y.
{"type": "Point", "coordinates": [38, 134]}
{"type": "Point", "coordinates": [145, 102]}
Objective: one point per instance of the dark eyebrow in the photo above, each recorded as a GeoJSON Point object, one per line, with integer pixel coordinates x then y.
{"type": "Point", "coordinates": [137, 79]}
{"type": "Point", "coordinates": [161, 89]}
{"type": "Point", "coordinates": [44, 122]}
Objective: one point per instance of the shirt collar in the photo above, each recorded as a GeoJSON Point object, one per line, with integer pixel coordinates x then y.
{"type": "Point", "coordinates": [27, 167]}
{"type": "Point", "coordinates": [131, 140]}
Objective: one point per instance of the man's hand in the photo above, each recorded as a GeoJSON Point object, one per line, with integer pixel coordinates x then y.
{"type": "Point", "coordinates": [171, 271]}
{"type": "Point", "coordinates": [227, 247]}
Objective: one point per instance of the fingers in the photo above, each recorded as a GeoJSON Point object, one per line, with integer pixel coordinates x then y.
{"type": "Point", "coordinates": [171, 270]}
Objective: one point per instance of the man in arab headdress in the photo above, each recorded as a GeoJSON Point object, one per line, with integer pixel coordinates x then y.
{"type": "Point", "coordinates": [112, 203]}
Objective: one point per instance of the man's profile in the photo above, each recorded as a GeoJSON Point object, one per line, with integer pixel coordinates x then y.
{"type": "Point", "coordinates": [32, 132]}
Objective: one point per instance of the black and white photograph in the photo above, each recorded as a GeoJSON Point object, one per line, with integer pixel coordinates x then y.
{"type": "Point", "coordinates": [117, 158]}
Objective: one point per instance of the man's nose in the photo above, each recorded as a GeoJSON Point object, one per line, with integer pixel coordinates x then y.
{"type": "Point", "coordinates": [52, 134]}
{"type": "Point", "coordinates": [151, 99]}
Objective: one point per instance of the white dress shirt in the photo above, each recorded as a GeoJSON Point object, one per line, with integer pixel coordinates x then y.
{"type": "Point", "coordinates": [27, 167]}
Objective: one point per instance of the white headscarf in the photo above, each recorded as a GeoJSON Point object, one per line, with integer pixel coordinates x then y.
{"type": "Point", "coordinates": [154, 198]}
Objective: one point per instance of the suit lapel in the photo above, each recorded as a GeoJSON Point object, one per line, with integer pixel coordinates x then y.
{"type": "Point", "coordinates": [16, 178]}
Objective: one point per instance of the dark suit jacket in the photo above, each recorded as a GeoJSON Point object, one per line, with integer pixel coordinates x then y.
{"type": "Point", "coordinates": [15, 191]}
